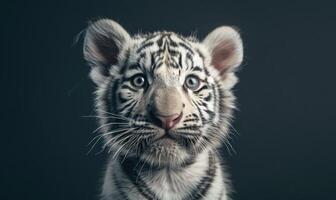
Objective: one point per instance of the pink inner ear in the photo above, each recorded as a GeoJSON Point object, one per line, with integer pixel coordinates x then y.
{"type": "Point", "coordinates": [222, 55]}
{"type": "Point", "coordinates": [108, 49]}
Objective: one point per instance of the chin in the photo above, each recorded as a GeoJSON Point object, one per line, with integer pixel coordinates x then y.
{"type": "Point", "coordinates": [165, 152]}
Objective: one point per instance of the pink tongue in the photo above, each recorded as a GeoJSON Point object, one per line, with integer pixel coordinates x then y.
{"type": "Point", "coordinates": [169, 124]}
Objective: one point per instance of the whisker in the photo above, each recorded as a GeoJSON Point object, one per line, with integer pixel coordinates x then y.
{"type": "Point", "coordinates": [108, 133]}
{"type": "Point", "coordinates": [233, 128]}
{"type": "Point", "coordinates": [113, 139]}
{"type": "Point", "coordinates": [230, 145]}
{"type": "Point", "coordinates": [101, 135]}
{"type": "Point", "coordinates": [118, 151]}
{"type": "Point", "coordinates": [130, 146]}
{"type": "Point", "coordinates": [112, 123]}
{"type": "Point", "coordinates": [105, 117]}
{"type": "Point", "coordinates": [113, 114]}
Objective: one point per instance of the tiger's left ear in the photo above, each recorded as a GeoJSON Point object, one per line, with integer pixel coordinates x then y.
{"type": "Point", "coordinates": [226, 49]}
{"type": "Point", "coordinates": [104, 40]}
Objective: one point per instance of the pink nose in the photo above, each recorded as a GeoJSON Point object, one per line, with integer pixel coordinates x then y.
{"type": "Point", "coordinates": [168, 122]}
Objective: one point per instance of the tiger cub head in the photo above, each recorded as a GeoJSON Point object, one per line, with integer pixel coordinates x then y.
{"type": "Point", "coordinates": [162, 97]}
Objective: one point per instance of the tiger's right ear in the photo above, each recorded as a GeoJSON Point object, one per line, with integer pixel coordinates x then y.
{"type": "Point", "coordinates": [103, 42]}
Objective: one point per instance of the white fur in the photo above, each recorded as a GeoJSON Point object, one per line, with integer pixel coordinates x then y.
{"type": "Point", "coordinates": [167, 184]}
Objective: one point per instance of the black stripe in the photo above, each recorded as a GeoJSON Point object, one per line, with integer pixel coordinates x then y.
{"type": "Point", "coordinates": [127, 105]}
{"type": "Point", "coordinates": [191, 60]}
{"type": "Point", "coordinates": [132, 165]}
{"type": "Point", "coordinates": [132, 67]}
{"type": "Point", "coordinates": [206, 71]}
{"type": "Point", "coordinates": [173, 52]}
{"type": "Point", "coordinates": [194, 115]}
{"type": "Point", "coordinates": [204, 87]}
{"type": "Point", "coordinates": [185, 40]}
{"type": "Point", "coordinates": [172, 42]}
{"type": "Point", "coordinates": [197, 68]}
{"type": "Point", "coordinates": [190, 128]}
{"type": "Point", "coordinates": [150, 37]}
{"type": "Point", "coordinates": [201, 115]}
{"type": "Point", "coordinates": [119, 187]}
{"type": "Point", "coordinates": [145, 167]}
{"type": "Point", "coordinates": [200, 54]}
{"type": "Point", "coordinates": [208, 98]}
{"type": "Point", "coordinates": [219, 102]}
{"type": "Point", "coordinates": [156, 61]}
{"type": "Point", "coordinates": [210, 113]}
{"type": "Point", "coordinates": [180, 60]}
{"type": "Point", "coordinates": [129, 88]}
{"type": "Point", "coordinates": [203, 187]}
{"type": "Point", "coordinates": [186, 47]}
{"type": "Point", "coordinates": [159, 42]}
{"type": "Point", "coordinates": [111, 97]}
{"type": "Point", "coordinates": [173, 64]}
{"type": "Point", "coordinates": [124, 65]}
{"type": "Point", "coordinates": [148, 44]}
{"type": "Point", "coordinates": [122, 99]}
{"type": "Point", "coordinates": [129, 166]}
{"type": "Point", "coordinates": [152, 61]}
{"type": "Point", "coordinates": [205, 104]}
{"type": "Point", "coordinates": [191, 120]}
{"type": "Point", "coordinates": [130, 109]}
{"type": "Point", "coordinates": [142, 55]}
{"type": "Point", "coordinates": [128, 78]}
{"type": "Point", "coordinates": [158, 65]}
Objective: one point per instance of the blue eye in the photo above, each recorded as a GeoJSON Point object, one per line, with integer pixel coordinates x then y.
{"type": "Point", "coordinates": [192, 82]}
{"type": "Point", "coordinates": [138, 81]}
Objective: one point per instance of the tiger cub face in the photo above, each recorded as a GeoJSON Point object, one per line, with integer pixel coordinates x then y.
{"type": "Point", "coordinates": [162, 97]}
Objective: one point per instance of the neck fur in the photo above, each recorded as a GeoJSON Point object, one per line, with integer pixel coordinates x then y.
{"type": "Point", "coordinates": [190, 181]}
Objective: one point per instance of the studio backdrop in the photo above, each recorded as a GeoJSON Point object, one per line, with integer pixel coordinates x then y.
{"type": "Point", "coordinates": [283, 133]}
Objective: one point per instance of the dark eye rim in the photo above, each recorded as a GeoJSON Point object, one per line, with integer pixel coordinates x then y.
{"type": "Point", "coordinates": [192, 76]}
{"type": "Point", "coordinates": [136, 76]}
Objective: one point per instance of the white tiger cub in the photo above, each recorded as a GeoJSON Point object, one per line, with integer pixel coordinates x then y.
{"type": "Point", "coordinates": [164, 105]}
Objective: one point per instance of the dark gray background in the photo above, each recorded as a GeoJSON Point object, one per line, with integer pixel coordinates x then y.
{"type": "Point", "coordinates": [286, 96]}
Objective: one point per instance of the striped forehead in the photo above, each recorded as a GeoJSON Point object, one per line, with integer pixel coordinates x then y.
{"type": "Point", "coordinates": [165, 50]}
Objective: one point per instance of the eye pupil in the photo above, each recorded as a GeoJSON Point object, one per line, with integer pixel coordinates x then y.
{"type": "Point", "coordinates": [138, 81]}
{"type": "Point", "coordinates": [192, 82]}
